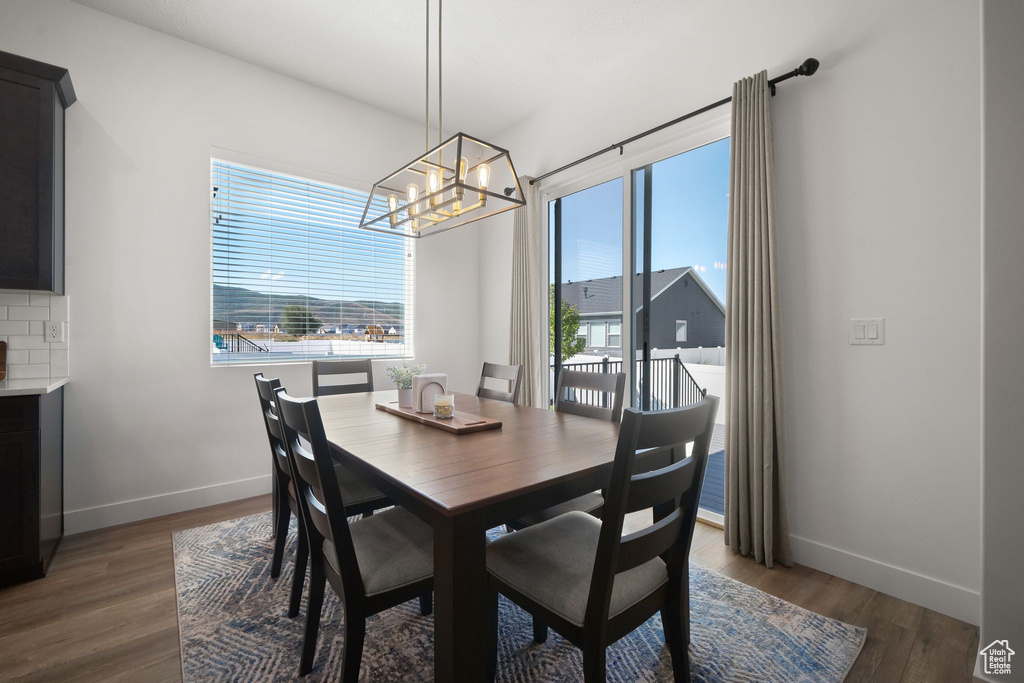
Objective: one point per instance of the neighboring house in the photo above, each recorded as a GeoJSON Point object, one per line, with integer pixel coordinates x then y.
{"type": "Point", "coordinates": [685, 313]}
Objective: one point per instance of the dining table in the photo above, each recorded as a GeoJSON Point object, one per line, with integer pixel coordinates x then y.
{"type": "Point", "coordinates": [462, 485]}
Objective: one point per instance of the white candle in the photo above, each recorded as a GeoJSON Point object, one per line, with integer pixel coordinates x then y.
{"type": "Point", "coordinates": [444, 406]}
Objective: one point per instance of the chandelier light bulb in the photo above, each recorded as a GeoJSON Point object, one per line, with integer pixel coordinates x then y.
{"type": "Point", "coordinates": [412, 191]}
{"type": "Point", "coordinates": [393, 208]}
{"type": "Point", "coordinates": [484, 175]}
{"type": "Point", "coordinates": [459, 191]}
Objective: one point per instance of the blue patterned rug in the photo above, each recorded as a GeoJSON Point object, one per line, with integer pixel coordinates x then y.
{"type": "Point", "coordinates": [231, 617]}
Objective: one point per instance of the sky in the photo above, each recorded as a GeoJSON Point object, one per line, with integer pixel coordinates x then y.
{"type": "Point", "coordinates": [690, 196]}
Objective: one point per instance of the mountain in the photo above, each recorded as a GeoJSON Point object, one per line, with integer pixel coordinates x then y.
{"type": "Point", "coordinates": [240, 305]}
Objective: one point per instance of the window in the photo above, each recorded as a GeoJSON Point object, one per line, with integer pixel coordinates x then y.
{"type": "Point", "coordinates": [597, 334]}
{"type": "Point", "coordinates": [680, 330]}
{"type": "Point", "coordinates": [615, 335]}
{"type": "Point", "coordinates": [584, 334]}
{"type": "Point", "coordinates": [294, 278]}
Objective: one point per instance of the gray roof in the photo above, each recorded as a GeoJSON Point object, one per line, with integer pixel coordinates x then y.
{"type": "Point", "coordinates": [604, 295]}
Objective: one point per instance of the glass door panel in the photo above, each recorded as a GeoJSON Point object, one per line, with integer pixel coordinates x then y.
{"type": "Point", "coordinates": [585, 286]}
{"type": "Point", "coordinates": [680, 242]}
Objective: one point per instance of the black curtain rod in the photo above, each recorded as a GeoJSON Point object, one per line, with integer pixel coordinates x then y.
{"type": "Point", "coordinates": [806, 69]}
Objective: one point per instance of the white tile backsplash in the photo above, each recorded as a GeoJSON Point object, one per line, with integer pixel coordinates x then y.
{"type": "Point", "coordinates": [14, 327]}
{"type": "Point", "coordinates": [28, 371]}
{"type": "Point", "coordinates": [15, 341]}
{"type": "Point", "coordinates": [13, 299]}
{"type": "Point", "coordinates": [17, 357]}
{"type": "Point", "coordinates": [22, 326]}
{"type": "Point", "coordinates": [28, 312]}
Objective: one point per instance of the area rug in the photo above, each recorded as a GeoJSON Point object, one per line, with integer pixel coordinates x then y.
{"type": "Point", "coordinates": [231, 617]}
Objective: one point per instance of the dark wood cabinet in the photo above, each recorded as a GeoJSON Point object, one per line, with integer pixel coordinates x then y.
{"type": "Point", "coordinates": [31, 484]}
{"type": "Point", "coordinates": [33, 97]}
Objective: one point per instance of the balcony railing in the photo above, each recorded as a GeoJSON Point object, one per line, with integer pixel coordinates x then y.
{"type": "Point", "coordinates": [671, 384]}
{"type": "Point", "coordinates": [232, 342]}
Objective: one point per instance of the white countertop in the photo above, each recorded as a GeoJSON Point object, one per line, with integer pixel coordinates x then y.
{"type": "Point", "coordinates": [26, 387]}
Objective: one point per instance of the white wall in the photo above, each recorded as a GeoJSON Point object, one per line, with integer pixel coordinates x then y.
{"type": "Point", "coordinates": [878, 200]}
{"type": "Point", "coordinates": [1003, 536]}
{"type": "Point", "coordinates": [151, 428]}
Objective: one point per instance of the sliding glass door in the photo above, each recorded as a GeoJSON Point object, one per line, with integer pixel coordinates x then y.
{"type": "Point", "coordinates": [585, 291]}
{"type": "Point", "coordinates": [680, 241]}
{"type": "Point", "coordinates": [672, 237]}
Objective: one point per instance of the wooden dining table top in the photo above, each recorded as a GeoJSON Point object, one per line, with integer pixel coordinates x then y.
{"type": "Point", "coordinates": [456, 473]}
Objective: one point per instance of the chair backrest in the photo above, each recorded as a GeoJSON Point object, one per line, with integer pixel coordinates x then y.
{"type": "Point", "coordinates": [604, 389]}
{"type": "Point", "coordinates": [316, 484]}
{"type": "Point", "coordinates": [265, 389]}
{"type": "Point", "coordinates": [512, 374]}
{"type": "Point", "coordinates": [356, 366]}
{"type": "Point", "coordinates": [672, 491]}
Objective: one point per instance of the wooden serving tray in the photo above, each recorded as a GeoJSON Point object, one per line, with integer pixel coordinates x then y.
{"type": "Point", "coordinates": [462, 423]}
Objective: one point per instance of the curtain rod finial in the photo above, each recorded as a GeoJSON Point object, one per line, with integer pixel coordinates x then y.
{"type": "Point", "coordinates": [809, 66]}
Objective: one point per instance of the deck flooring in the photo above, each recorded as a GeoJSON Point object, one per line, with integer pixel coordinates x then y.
{"type": "Point", "coordinates": [712, 496]}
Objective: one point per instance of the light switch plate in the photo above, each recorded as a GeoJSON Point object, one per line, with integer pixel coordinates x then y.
{"type": "Point", "coordinates": [54, 331]}
{"type": "Point", "coordinates": [867, 331]}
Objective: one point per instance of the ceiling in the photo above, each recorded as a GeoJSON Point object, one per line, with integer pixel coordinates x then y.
{"type": "Point", "coordinates": [503, 61]}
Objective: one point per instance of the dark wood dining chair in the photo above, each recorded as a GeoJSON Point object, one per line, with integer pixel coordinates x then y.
{"type": "Point", "coordinates": [373, 563]}
{"type": "Point", "coordinates": [361, 498]}
{"type": "Point", "coordinates": [607, 390]}
{"type": "Point", "coordinates": [581, 577]}
{"type": "Point", "coordinates": [494, 373]}
{"type": "Point", "coordinates": [283, 504]}
{"type": "Point", "coordinates": [361, 367]}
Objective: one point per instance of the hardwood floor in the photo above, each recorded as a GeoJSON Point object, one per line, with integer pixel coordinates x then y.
{"type": "Point", "coordinates": [107, 612]}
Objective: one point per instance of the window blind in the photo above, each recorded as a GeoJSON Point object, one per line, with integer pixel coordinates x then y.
{"type": "Point", "coordinates": [295, 279]}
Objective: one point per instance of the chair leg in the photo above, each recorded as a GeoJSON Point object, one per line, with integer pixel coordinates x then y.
{"type": "Point", "coordinates": [355, 632]}
{"type": "Point", "coordinates": [593, 666]}
{"type": "Point", "coordinates": [317, 583]}
{"type": "Point", "coordinates": [540, 630]}
{"type": "Point", "coordinates": [675, 637]}
{"type": "Point", "coordinates": [685, 598]}
{"type": "Point", "coordinates": [427, 604]}
{"type": "Point", "coordinates": [492, 637]}
{"type": "Point", "coordinates": [282, 516]}
{"type": "Point", "coordinates": [301, 562]}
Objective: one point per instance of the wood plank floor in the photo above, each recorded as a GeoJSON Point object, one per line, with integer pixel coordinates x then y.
{"type": "Point", "coordinates": [106, 612]}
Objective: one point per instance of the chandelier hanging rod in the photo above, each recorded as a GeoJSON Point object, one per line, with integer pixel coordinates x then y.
{"type": "Point", "coordinates": [808, 68]}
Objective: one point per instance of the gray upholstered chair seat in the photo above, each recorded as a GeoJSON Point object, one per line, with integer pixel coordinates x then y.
{"type": "Point", "coordinates": [393, 548]}
{"type": "Point", "coordinates": [354, 489]}
{"type": "Point", "coordinates": [552, 563]}
{"type": "Point", "coordinates": [590, 503]}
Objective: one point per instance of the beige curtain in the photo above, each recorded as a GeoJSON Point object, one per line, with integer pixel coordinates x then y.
{"type": "Point", "coordinates": [756, 517]}
{"type": "Point", "coordinates": [526, 332]}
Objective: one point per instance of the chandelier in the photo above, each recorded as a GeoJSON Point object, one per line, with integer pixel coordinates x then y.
{"type": "Point", "coordinates": [450, 185]}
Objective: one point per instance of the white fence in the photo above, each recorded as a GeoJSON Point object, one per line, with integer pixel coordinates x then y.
{"type": "Point", "coordinates": [712, 355]}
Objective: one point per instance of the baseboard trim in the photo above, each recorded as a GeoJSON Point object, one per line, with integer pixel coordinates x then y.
{"type": "Point", "coordinates": [87, 519]}
{"type": "Point", "coordinates": [927, 591]}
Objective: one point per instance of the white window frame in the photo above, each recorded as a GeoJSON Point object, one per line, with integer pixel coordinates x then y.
{"type": "Point", "coordinates": [616, 334]}
{"type": "Point", "coordinates": [306, 173]}
{"type": "Point", "coordinates": [683, 322]}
